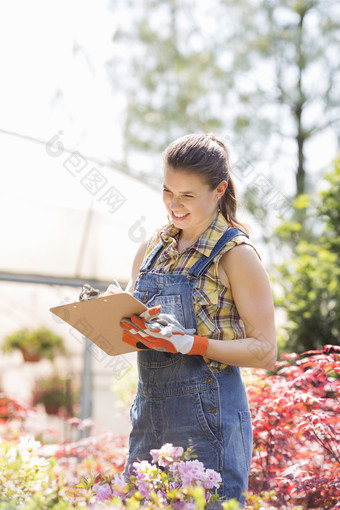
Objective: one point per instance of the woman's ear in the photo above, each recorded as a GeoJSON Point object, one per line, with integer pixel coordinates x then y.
{"type": "Point", "coordinates": [221, 189]}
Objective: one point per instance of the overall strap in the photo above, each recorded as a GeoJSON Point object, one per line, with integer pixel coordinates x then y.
{"type": "Point", "coordinates": [200, 266]}
{"type": "Point", "coordinates": [151, 258]}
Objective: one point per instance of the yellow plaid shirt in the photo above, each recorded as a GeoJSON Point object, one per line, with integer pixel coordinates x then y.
{"type": "Point", "coordinates": [216, 313]}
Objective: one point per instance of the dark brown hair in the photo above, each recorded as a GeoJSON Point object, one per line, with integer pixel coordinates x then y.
{"type": "Point", "coordinates": [206, 156]}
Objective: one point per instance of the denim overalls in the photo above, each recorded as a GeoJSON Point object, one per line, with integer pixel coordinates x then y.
{"type": "Point", "coordinates": [179, 399]}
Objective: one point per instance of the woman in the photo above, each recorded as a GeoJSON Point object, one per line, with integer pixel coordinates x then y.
{"type": "Point", "coordinates": [202, 270]}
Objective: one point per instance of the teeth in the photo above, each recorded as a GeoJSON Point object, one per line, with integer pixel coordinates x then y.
{"type": "Point", "coordinates": [179, 215]}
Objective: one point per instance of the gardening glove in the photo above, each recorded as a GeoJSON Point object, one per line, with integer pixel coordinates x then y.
{"type": "Point", "coordinates": [147, 315]}
{"type": "Point", "coordinates": [164, 333]}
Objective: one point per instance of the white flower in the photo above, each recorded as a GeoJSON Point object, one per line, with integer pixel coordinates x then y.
{"type": "Point", "coordinates": [37, 462]}
{"type": "Point", "coordinates": [11, 455]}
{"type": "Point", "coordinates": [25, 449]}
{"type": "Point", "coordinates": [28, 444]}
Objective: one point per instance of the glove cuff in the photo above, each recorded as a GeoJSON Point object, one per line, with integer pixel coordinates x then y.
{"type": "Point", "coordinates": [199, 346]}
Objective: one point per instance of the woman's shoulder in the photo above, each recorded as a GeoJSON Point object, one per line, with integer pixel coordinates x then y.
{"type": "Point", "coordinates": [241, 259]}
{"type": "Point", "coordinates": [239, 240]}
{"type": "Point", "coordinates": [244, 241]}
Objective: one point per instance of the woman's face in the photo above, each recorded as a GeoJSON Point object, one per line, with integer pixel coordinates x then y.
{"type": "Point", "coordinates": [190, 202]}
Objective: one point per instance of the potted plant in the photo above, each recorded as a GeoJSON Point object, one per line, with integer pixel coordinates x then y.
{"type": "Point", "coordinates": [35, 345]}
{"type": "Point", "coordinates": [56, 394]}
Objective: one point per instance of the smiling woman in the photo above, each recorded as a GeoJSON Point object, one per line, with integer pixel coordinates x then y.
{"type": "Point", "coordinates": [193, 210]}
{"type": "Point", "coordinates": [210, 312]}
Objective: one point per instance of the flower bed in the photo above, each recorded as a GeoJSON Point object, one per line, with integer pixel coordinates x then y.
{"type": "Point", "coordinates": [296, 462]}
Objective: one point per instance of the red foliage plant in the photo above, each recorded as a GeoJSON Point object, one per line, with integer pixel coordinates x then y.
{"type": "Point", "coordinates": [11, 409]}
{"type": "Point", "coordinates": [295, 414]}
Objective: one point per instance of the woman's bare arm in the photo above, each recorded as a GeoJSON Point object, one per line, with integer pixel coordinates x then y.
{"type": "Point", "coordinates": [253, 299]}
{"type": "Point", "coordinates": [137, 262]}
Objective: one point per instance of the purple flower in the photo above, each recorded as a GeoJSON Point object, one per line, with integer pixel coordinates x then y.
{"type": "Point", "coordinates": [167, 454]}
{"type": "Point", "coordinates": [211, 479]}
{"type": "Point", "coordinates": [179, 505]}
{"type": "Point", "coordinates": [102, 492]}
{"type": "Point", "coordinates": [144, 488]}
{"type": "Point", "coordinates": [189, 506]}
{"type": "Point", "coordinates": [142, 469]}
{"type": "Point", "coordinates": [119, 486]}
{"type": "Point", "coordinates": [191, 472]}
{"type": "Point", "coordinates": [182, 505]}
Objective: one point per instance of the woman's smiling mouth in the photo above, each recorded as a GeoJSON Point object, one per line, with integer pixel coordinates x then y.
{"type": "Point", "coordinates": [179, 216]}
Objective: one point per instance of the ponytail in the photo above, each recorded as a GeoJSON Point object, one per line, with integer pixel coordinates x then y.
{"type": "Point", "coordinates": [228, 206]}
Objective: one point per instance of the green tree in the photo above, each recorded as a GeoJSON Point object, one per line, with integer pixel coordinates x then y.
{"type": "Point", "coordinates": [288, 67]}
{"type": "Point", "coordinates": [311, 281]}
{"type": "Point", "coordinates": [266, 71]}
{"type": "Point", "coordinates": [173, 71]}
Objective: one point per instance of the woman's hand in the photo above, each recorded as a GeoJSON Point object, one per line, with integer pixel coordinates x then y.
{"type": "Point", "coordinates": [113, 288]}
{"type": "Point", "coordinates": [147, 315]}
{"type": "Point", "coordinates": [163, 333]}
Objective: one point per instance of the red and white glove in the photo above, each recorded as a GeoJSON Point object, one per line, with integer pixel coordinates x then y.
{"type": "Point", "coordinates": [148, 315]}
{"type": "Point", "coordinates": [162, 332]}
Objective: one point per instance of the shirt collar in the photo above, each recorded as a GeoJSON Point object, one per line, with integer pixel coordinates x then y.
{"type": "Point", "coordinates": [206, 242]}
{"type": "Point", "coordinates": [168, 233]}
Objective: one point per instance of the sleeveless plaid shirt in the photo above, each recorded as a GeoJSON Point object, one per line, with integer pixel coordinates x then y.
{"type": "Point", "coordinates": [216, 312]}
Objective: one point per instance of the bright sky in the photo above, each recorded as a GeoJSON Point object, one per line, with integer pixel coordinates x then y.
{"type": "Point", "coordinates": [53, 74]}
{"type": "Point", "coordinates": [53, 57]}
{"type": "Point", "coordinates": [54, 79]}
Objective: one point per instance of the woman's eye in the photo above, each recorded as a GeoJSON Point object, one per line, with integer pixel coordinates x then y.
{"type": "Point", "coordinates": [184, 196]}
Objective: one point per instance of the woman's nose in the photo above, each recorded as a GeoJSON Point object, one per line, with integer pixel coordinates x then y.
{"type": "Point", "coordinates": [175, 202]}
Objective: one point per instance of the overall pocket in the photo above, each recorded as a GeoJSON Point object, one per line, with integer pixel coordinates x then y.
{"type": "Point", "coordinates": [169, 304]}
{"type": "Point", "coordinates": [185, 424]}
{"type": "Point", "coordinates": [209, 417]}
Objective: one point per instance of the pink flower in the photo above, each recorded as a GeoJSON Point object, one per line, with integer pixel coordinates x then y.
{"type": "Point", "coordinates": [182, 505]}
{"type": "Point", "coordinates": [166, 454]}
{"type": "Point", "coordinates": [174, 468]}
{"type": "Point", "coordinates": [179, 505]}
{"type": "Point", "coordinates": [119, 486]}
{"type": "Point", "coordinates": [211, 479]}
{"type": "Point", "coordinates": [144, 488]}
{"type": "Point", "coordinates": [191, 472]}
{"type": "Point", "coordinates": [102, 492]}
{"type": "Point", "coordinates": [141, 469]}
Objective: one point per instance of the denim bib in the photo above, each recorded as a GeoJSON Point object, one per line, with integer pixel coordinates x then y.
{"type": "Point", "coordinates": [179, 399]}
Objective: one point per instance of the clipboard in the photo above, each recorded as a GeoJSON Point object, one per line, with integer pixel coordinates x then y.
{"type": "Point", "coordinates": [98, 319]}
